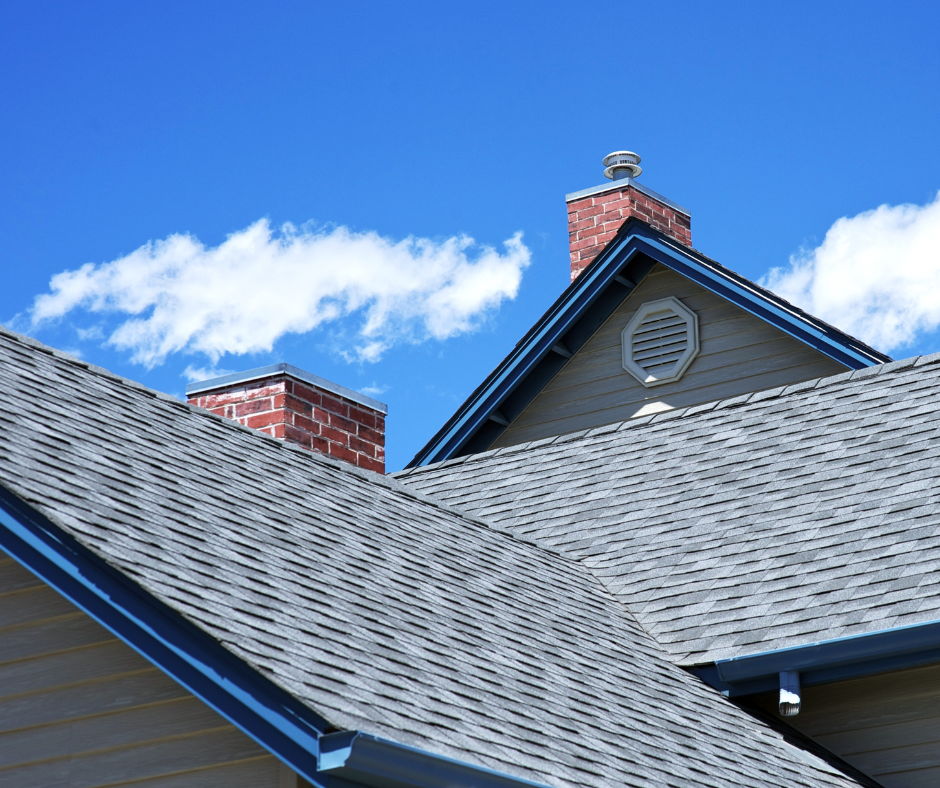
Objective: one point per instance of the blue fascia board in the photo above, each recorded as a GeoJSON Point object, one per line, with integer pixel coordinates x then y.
{"type": "Point", "coordinates": [363, 759]}
{"type": "Point", "coordinates": [793, 324]}
{"type": "Point", "coordinates": [519, 363]}
{"type": "Point", "coordinates": [263, 711]}
{"type": "Point", "coordinates": [583, 292]}
{"type": "Point", "coordinates": [828, 660]}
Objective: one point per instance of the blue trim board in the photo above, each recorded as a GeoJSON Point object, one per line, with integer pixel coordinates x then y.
{"type": "Point", "coordinates": [367, 760]}
{"type": "Point", "coordinates": [266, 713]}
{"type": "Point", "coordinates": [814, 333]}
{"type": "Point", "coordinates": [537, 345]}
{"type": "Point", "coordinates": [827, 660]}
{"type": "Point", "coordinates": [280, 723]}
{"type": "Point", "coordinates": [631, 253]}
{"type": "Point", "coordinates": [531, 349]}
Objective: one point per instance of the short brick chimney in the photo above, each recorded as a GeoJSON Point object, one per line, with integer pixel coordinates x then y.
{"type": "Point", "coordinates": [304, 409]}
{"type": "Point", "coordinates": [595, 214]}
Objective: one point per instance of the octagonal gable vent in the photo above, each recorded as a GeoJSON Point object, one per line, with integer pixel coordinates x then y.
{"type": "Point", "coordinates": [660, 341]}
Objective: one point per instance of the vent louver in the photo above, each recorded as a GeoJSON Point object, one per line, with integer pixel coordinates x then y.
{"type": "Point", "coordinates": [660, 341]}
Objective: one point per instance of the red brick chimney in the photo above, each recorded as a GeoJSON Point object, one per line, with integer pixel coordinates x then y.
{"type": "Point", "coordinates": [288, 403]}
{"type": "Point", "coordinates": [595, 214]}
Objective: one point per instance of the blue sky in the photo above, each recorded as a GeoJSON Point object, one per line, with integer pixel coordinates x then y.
{"type": "Point", "coordinates": [366, 125]}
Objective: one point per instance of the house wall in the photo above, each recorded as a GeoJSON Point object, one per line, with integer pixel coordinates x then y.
{"type": "Point", "coordinates": [738, 354]}
{"type": "Point", "coordinates": [80, 708]}
{"type": "Point", "coordinates": [888, 726]}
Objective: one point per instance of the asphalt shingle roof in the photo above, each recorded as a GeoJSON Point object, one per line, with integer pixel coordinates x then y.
{"type": "Point", "coordinates": [774, 519]}
{"type": "Point", "coordinates": [380, 609]}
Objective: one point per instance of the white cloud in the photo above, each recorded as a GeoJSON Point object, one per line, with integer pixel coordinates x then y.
{"type": "Point", "coordinates": [177, 295]}
{"type": "Point", "coordinates": [194, 374]}
{"type": "Point", "coordinates": [90, 333]}
{"type": "Point", "coordinates": [374, 390]}
{"type": "Point", "coordinates": [875, 275]}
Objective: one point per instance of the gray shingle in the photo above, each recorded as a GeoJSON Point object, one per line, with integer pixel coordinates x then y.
{"type": "Point", "coordinates": [800, 514]}
{"type": "Point", "coordinates": [379, 608]}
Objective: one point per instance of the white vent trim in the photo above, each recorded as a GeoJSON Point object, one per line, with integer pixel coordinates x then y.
{"type": "Point", "coordinates": [660, 341]}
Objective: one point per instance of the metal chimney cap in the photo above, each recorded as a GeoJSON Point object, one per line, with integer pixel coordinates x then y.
{"type": "Point", "coordinates": [622, 164]}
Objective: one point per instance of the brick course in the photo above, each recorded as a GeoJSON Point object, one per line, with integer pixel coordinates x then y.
{"type": "Point", "coordinates": [305, 415]}
{"type": "Point", "coordinates": [594, 220]}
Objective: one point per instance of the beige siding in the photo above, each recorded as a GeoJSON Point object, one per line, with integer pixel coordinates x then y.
{"type": "Point", "coordinates": [78, 708]}
{"type": "Point", "coordinates": [888, 726]}
{"type": "Point", "coordinates": [739, 353]}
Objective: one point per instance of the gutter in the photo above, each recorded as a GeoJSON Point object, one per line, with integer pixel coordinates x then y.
{"type": "Point", "coordinates": [289, 729]}
{"type": "Point", "coordinates": [366, 760]}
{"type": "Point", "coordinates": [258, 707]}
{"type": "Point", "coordinates": [826, 660]}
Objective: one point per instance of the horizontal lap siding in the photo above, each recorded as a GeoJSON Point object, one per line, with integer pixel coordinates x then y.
{"type": "Point", "coordinates": [739, 354]}
{"type": "Point", "coordinates": [244, 774]}
{"type": "Point", "coordinates": [80, 708]}
{"type": "Point", "coordinates": [887, 725]}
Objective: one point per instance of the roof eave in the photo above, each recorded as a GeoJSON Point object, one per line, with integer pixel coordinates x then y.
{"type": "Point", "coordinates": [813, 332]}
{"type": "Point", "coordinates": [825, 661]}
{"type": "Point", "coordinates": [367, 760]}
{"type": "Point", "coordinates": [262, 710]}
{"type": "Point", "coordinates": [280, 723]}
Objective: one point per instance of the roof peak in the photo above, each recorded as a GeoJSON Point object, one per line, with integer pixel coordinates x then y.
{"type": "Point", "coordinates": [591, 299]}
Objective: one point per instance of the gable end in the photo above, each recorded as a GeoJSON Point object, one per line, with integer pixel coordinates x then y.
{"type": "Point", "coordinates": [587, 303]}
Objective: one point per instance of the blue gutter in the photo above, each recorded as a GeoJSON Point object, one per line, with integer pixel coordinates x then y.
{"type": "Point", "coordinates": [280, 723]}
{"type": "Point", "coordinates": [367, 760]}
{"type": "Point", "coordinates": [636, 238]}
{"type": "Point", "coordinates": [827, 660]}
{"type": "Point", "coordinates": [266, 713]}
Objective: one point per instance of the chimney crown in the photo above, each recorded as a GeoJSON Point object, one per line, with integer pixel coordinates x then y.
{"type": "Point", "coordinates": [301, 408]}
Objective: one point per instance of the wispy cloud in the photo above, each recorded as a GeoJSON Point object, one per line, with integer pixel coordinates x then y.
{"type": "Point", "coordinates": [89, 334]}
{"type": "Point", "coordinates": [875, 275]}
{"type": "Point", "coordinates": [194, 374]}
{"type": "Point", "coordinates": [374, 390]}
{"type": "Point", "coordinates": [178, 295]}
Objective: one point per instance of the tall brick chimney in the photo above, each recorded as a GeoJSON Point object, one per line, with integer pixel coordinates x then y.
{"type": "Point", "coordinates": [304, 409]}
{"type": "Point", "coordinates": [595, 214]}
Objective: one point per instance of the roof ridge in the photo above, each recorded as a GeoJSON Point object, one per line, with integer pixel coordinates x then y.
{"type": "Point", "coordinates": [389, 481]}
{"type": "Point", "coordinates": [139, 387]}
{"type": "Point", "coordinates": [25, 339]}
{"type": "Point", "coordinates": [637, 422]}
